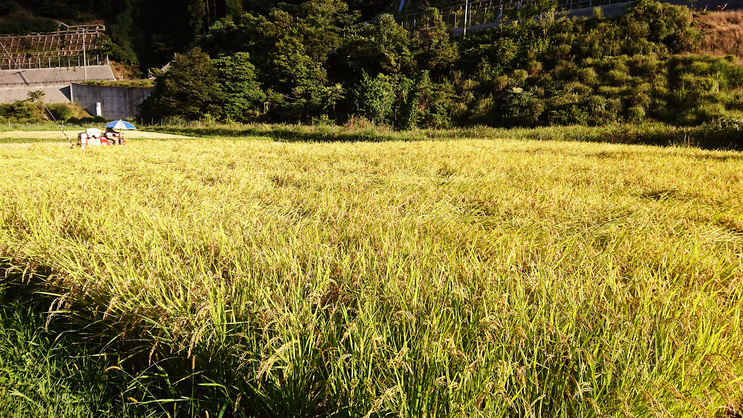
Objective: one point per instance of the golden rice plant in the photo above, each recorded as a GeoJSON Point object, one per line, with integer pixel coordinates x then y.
{"type": "Point", "coordinates": [453, 278]}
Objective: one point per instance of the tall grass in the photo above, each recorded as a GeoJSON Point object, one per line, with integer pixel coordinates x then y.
{"type": "Point", "coordinates": [714, 135]}
{"type": "Point", "coordinates": [448, 278]}
{"type": "Point", "coordinates": [45, 372]}
{"type": "Point", "coordinates": [707, 136]}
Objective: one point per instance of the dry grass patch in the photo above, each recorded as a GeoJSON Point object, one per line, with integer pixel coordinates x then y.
{"type": "Point", "coordinates": [722, 33]}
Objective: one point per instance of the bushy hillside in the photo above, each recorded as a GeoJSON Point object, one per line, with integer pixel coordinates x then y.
{"type": "Point", "coordinates": [313, 61]}
{"type": "Point", "coordinates": [535, 72]}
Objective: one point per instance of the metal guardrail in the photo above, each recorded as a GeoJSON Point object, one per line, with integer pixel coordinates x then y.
{"type": "Point", "coordinates": [491, 11]}
{"type": "Point", "coordinates": [66, 61]}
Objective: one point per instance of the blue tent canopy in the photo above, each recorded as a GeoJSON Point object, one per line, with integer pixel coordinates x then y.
{"type": "Point", "coordinates": [120, 124]}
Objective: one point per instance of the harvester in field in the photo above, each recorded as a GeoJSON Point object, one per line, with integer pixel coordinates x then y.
{"type": "Point", "coordinates": [93, 136]}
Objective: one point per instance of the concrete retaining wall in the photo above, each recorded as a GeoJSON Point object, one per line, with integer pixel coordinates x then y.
{"type": "Point", "coordinates": [54, 82]}
{"type": "Point", "coordinates": [115, 102]}
{"type": "Point", "coordinates": [38, 77]}
{"type": "Point", "coordinates": [53, 94]}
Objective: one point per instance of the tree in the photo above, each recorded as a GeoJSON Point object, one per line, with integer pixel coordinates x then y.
{"type": "Point", "coordinates": [36, 96]}
{"type": "Point", "coordinates": [242, 93]}
{"type": "Point", "coordinates": [431, 44]}
{"type": "Point", "coordinates": [188, 89]}
{"type": "Point", "coordinates": [382, 46]}
{"type": "Point", "coordinates": [196, 12]}
{"type": "Point", "coordinates": [375, 97]}
{"type": "Point", "coordinates": [289, 49]}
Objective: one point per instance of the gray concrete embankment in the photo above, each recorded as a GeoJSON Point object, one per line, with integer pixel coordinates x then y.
{"type": "Point", "coordinates": [113, 102]}
{"type": "Point", "coordinates": [54, 82]}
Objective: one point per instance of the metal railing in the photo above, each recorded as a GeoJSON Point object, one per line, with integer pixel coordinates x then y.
{"type": "Point", "coordinates": [41, 50]}
{"type": "Point", "coordinates": [491, 11]}
{"type": "Point", "coordinates": [41, 62]}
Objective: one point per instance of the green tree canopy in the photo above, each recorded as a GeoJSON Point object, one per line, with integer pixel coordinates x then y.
{"type": "Point", "coordinates": [242, 93]}
{"type": "Point", "coordinates": [189, 89]}
{"type": "Point", "coordinates": [430, 41]}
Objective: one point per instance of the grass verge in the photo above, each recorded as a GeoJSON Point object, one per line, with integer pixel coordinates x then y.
{"type": "Point", "coordinates": [705, 137]}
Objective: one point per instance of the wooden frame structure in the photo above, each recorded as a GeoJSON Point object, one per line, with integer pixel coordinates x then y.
{"type": "Point", "coordinates": [50, 49]}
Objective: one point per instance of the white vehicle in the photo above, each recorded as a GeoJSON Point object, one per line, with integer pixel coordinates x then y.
{"type": "Point", "coordinates": [93, 136]}
{"type": "Point", "coordinates": [90, 136]}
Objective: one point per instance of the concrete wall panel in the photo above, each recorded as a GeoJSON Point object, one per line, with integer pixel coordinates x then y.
{"type": "Point", "coordinates": [116, 102]}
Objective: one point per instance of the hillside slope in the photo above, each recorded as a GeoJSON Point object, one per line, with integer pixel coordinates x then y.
{"type": "Point", "coordinates": [722, 33]}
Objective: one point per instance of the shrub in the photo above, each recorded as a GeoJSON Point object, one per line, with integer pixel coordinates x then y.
{"type": "Point", "coordinates": [636, 114]}
{"type": "Point", "coordinates": [562, 50]}
{"type": "Point", "coordinates": [518, 78]}
{"type": "Point", "coordinates": [698, 87]}
{"type": "Point", "coordinates": [728, 74]}
{"type": "Point", "coordinates": [564, 100]}
{"type": "Point", "coordinates": [644, 65]}
{"type": "Point", "coordinates": [723, 132]}
{"type": "Point", "coordinates": [641, 46]}
{"type": "Point", "coordinates": [566, 70]}
{"type": "Point", "coordinates": [614, 106]}
{"type": "Point", "coordinates": [60, 111]}
{"type": "Point", "coordinates": [534, 67]}
{"type": "Point", "coordinates": [374, 98]}
{"type": "Point", "coordinates": [618, 78]}
{"type": "Point", "coordinates": [638, 99]}
{"type": "Point", "coordinates": [598, 13]}
{"type": "Point", "coordinates": [524, 108]}
{"type": "Point", "coordinates": [699, 68]}
{"type": "Point", "coordinates": [569, 115]}
{"type": "Point", "coordinates": [707, 112]}
{"type": "Point", "coordinates": [577, 88]}
{"type": "Point", "coordinates": [659, 86]}
{"type": "Point", "coordinates": [729, 124]}
{"type": "Point", "coordinates": [734, 100]}
{"type": "Point", "coordinates": [480, 111]}
{"type": "Point", "coordinates": [659, 108]}
{"type": "Point", "coordinates": [24, 110]}
{"type": "Point", "coordinates": [500, 83]}
{"type": "Point", "coordinates": [600, 111]}
{"type": "Point", "coordinates": [355, 122]}
{"type": "Point", "coordinates": [588, 76]}
{"type": "Point", "coordinates": [618, 63]}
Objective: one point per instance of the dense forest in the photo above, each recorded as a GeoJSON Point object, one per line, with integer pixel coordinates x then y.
{"type": "Point", "coordinates": [328, 61]}
{"type": "Point", "coordinates": [308, 63]}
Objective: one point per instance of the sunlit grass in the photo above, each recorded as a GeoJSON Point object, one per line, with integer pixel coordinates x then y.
{"type": "Point", "coordinates": [445, 278]}
{"type": "Point", "coordinates": [44, 372]}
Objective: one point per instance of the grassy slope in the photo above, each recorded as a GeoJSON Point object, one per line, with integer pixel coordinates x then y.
{"type": "Point", "coordinates": [461, 277]}
{"type": "Point", "coordinates": [722, 33]}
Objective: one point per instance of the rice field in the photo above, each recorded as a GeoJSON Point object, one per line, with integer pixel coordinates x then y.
{"type": "Point", "coordinates": [493, 278]}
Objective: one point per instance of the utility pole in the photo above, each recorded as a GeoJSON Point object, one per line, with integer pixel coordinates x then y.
{"type": "Point", "coordinates": [85, 59]}
{"type": "Point", "coordinates": [466, 10]}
